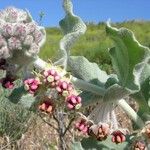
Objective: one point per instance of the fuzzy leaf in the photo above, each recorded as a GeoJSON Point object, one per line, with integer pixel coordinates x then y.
{"type": "Point", "coordinates": [127, 54]}
{"type": "Point", "coordinates": [77, 146]}
{"type": "Point", "coordinates": [73, 27]}
{"type": "Point", "coordinates": [92, 144]}
{"type": "Point", "coordinates": [130, 60]}
{"type": "Point", "coordinates": [81, 68]}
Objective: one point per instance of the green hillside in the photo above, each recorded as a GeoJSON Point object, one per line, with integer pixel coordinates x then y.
{"type": "Point", "coordinates": [94, 44]}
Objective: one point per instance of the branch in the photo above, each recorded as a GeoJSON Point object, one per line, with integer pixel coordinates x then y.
{"type": "Point", "coordinates": [48, 123]}
{"type": "Point", "coordinates": [68, 127]}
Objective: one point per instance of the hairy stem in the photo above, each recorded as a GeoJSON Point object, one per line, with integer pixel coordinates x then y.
{"type": "Point", "coordinates": [131, 113]}
{"type": "Point", "coordinates": [83, 85]}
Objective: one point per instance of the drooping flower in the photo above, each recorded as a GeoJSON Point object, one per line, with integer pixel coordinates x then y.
{"type": "Point", "coordinates": [83, 125]}
{"type": "Point", "coordinates": [118, 136]}
{"type": "Point", "coordinates": [46, 106]}
{"type": "Point", "coordinates": [100, 131]}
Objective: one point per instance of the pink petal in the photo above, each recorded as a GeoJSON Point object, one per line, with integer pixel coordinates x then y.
{"type": "Point", "coordinates": [70, 106]}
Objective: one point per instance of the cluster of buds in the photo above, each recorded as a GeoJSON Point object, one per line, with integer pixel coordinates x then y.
{"type": "Point", "coordinates": [31, 85]}
{"type": "Point", "coordinates": [59, 87]}
{"type": "Point", "coordinates": [46, 106]}
{"type": "Point", "coordinates": [73, 102]}
{"type": "Point", "coordinates": [100, 131]}
{"type": "Point", "coordinates": [19, 34]}
{"type": "Point", "coordinates": [51, 77]}
{"type": "Point", "coordinates": [64, 88]}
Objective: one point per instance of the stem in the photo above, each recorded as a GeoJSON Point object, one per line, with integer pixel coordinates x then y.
{"type": "Point", "coordinates": [88, 86]}
{"type": "Point", "coordinates": [131, 113]}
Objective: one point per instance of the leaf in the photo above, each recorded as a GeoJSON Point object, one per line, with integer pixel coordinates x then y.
{"type": "Point", "coordinates": [73, 27]}
{"type": "Point", "coordinates": [131, 62]}
{"type": "Point", "coordinates": [89, 98]}
{"type": "Point", "coordinates": [127, 54]}
{"type": "Point", "coordinates": [92, 144]}
{"type": "Point", "coordinates": [115, 92]}
{"type": "Point", "coordinates": [77, 146]}
{"type": "Point", "coordinates": [81, 68]}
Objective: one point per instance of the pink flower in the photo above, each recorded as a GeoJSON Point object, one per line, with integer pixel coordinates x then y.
{"type": "Point", "coordinates": [7, 82]}
{"type": "Point", "coordinates": [64, 88]}
{"type": "Point", "coordinates": [31, 85]}
{"type": "Point", "coordinates": [83, 126]}
{"type": "Point", "coordinates": [51, 77]}
{"type": "Point", "coordinates": [118, 137]}
{"type": "Point", "coordinates": [100, 131]}
{"type": "Point", "coordinates": [74, 102]}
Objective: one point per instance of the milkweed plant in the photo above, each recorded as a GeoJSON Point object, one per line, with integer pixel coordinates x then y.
{"type": "Point", "coordinates": [63, 89]}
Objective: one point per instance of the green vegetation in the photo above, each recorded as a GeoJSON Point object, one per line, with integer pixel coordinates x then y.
{"type": "Point", "coordinates": [94, 44]}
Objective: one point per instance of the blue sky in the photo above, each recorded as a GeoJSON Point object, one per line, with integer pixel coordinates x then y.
{"type": "Point", "coordinates": [88, 10]}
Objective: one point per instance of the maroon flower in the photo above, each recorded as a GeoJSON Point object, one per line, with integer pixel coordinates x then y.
{"type": "Point", "coordinates": [46, 106]}
{"type": "Point", "coordinates": [8, 82]}
{"type": "Point", "coordinates": [118, 137]}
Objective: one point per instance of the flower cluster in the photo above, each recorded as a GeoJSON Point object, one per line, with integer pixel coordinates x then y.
{"type": "Point", "coordinates": [100, 131]}
{"type": "Point", "coordinates": [59, 85]}
{"type": "Point", "coordinates": [19, 33]}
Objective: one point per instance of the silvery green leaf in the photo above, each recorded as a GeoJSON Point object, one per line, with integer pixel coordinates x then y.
{"type": "Point", "coordinates": [130, 61]}
{"type": "Point", "coordinates": [77, 146]}
{"type": "Point", "coordinates": [81, 68]}
{"type": "Point", "coordinates": [115, 92]}
{"type": "Point", "coordinates": [73, 27]}
{"type": "Point", "coordinates": [93, 144]}
{"type": "Point", "coordinates": [127, 54]}
{"type": "Point", "coordinates": [89, 72]}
